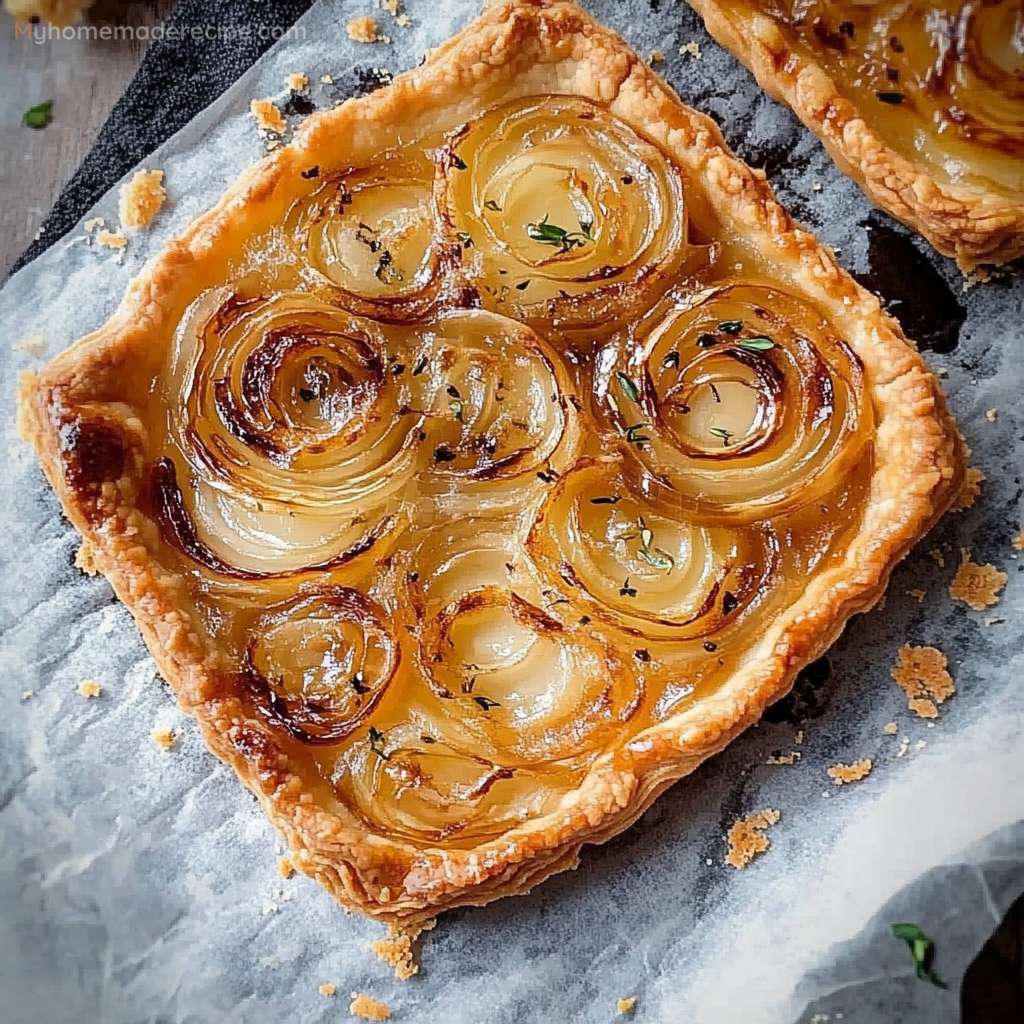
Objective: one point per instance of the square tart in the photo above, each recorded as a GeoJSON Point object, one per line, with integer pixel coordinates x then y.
{"type": "Point", "coordinates": [459, 573]}
{"type": "Point", "coordinates": [921, 103]}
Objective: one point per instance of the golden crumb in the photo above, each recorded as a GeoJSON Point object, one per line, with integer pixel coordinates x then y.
{"type": "Point", "coordinates": [625, 1005]}
{"type": "Point", "coordinates": [920, 744]}
{"type": "Point", "coordinates": [969, 491]}
{"type": "Point", "coordinates": [747, 839]}
{"type": "Point", "coordinates": [32, 344]}
{"type": "Point", "coordinates": [919, 594]}
{"type": "Point", "coordinates": [990, 415]}
{"type": "Point", "coordinates": [842, 774]}
{"type": "Point", "coordinates": [362, 30]}
{"type": "Point", "coordinates": [396, 950]}
{"type": "Point", "coordinates": [656, 55]}
{"type": "Point", "coordinates": [391, 6]}
{"type": "Point", "coordinates": [27, 694]}
{"type": "Point", "coordinates": [693, 49]}
{"type": "Point", "coordinates": [368, 1008]}
{"type": "Point", "coordinates": [942, 372]}
{"type": "Point", "coordinates": [93, 223]}
{"type": "Point", "coordinates": [163, 738]}
{"type": "Point", "coordinates": [111, 239]}
{"type": "Point", "coordinates": [890, 728]}
{"type": "Point", "coordinates": [977, 586]}
{"type": "Point", "coordinates": [816, 186]}
{"type": "Point", "coordinates": [327, 989]}
{"type": "Point", "coordinates": [268, 117]}
{"type": "Point", "coordinates": [297, 81]}
{"type": "Point", "coordinates": [326, 80]}
{"type": "Point", "coordinates": [1018, 541]}
{"type": "Point", "coordinates": [936, 555]}
{"type": "Point", "coordinates": [141, 198]}
{"type": "Point", "coordinates": [84, 560]}
{"type": "Point", "coordinates": [791, 758]}
{"type": "Point", "coordinates": [272, 144]}
{"type": "Point", "coordinates": [921, 674]}
{"type": "Point", "coordinates": [904, 746]}
{"type": "Point", "coordinates": [89, 688]}
{"type": "Point", "coordinates": [285, 867]}
{"type": "Point", "coordinates": [404, 21]}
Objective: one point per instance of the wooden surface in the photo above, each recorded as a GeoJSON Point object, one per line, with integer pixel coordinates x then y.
{"type": "Point", "coordinates": [84, 79]}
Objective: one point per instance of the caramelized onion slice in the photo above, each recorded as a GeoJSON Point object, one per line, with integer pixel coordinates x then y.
{"type": "Point", "coordinates": [319, 663]}
{"type": "Point", "coordinates": [289, 425]}
{"type": "Point", "coordinates": [639, 567]}
{"type": "Point", "coordinates": [563, 211]}
{"type": "Point", "coordinates": [747, 405]}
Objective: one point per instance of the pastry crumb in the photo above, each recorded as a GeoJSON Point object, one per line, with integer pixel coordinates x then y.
{"type": "Point", "coordinates": [32, 344]}
{"type": "Point", "coordinates": [942, 372]}
{"type": "Point", "coordinates": [921, 673]}
{"type": "Point", "coordinates": [691, 48]}
{"type": "Point", "coordinates": [397, 949]}
{"type": "Point", "coordinates": [27, 694]}
{"type": "Point", "coordinates": [626, 1004]}
{"type": "Point", "coordinates": [327, 989]}
{"type": "Point", "coordinates": [656, 55]}
{"type": "Point", "coordinates": [285, 867]}
{"type": "Point", "coordinates": [368, 1008]}
{"type": "Point", "coordinates": [89, 688]}
{"type": "Point", "coordinates": [391, 6]}
{"type": "Point", "coordinates": [111, 239]}
{"type": "Point", "coordinates": [993, 620]}
{"type": "Point", "coordinates": [268, 117]}
{"type": "Point", "coordinates": [919, 594]}
{"type": "Point", "coordinates": [890, 728]}
{"type": "Point", "coordinates": [84, 560]}
{"type": "Point", "coordinates": [977, 586]}
{"type": "Point", "coordinates": [326, 80]}
{"type": "Point", "coordinates": [843, 774]}
{"type": "Point", "coordinates": [791, 758]}
{"type": "Point", "coordinates": [364, 30]}
{"type": "Point", "coordinates": [816, 186]}
{"type": "Point", "coordinates": [904, 746]}
{"type": "Point", "coordinates": [799, 738]}
{"type": "Point", "coordinates": [920, 744]}
{"type": "Point", "coordinates": [163, 738]}
{"type": "Point", "coordinates": [969, 491]}
{"type": "Point", "coordinates": [1018, 541]}
{"type": "Point", "coordinates": [936, 555]}
{"type": "Point", "coordinates": [990, 415]}
{"type": "Point", "coordinates": [93, 223]}
{"type": "Point", "coordinates": [297, 81]}
{"type": "Point", "coordinates": [747, 839]}
{"type": "Point", "coordinates": [404, 21]}
{"type": "Point", "coordinates": [272, 144]}
{"type": "Point", "coordinates": [140, 199]}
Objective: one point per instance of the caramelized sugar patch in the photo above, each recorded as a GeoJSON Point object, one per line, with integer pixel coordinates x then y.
{"type": "Point", "coordinates": [921, 674]}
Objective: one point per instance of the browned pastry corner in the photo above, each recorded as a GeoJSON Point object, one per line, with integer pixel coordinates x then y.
{"type": "Point", "coordinates": [922, 104]}
{"type": "Point", "coordinates": [487, 458]}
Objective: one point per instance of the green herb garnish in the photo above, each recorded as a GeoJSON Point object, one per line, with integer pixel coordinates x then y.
{"type": "Point", "coordinates": [626, 590]}
{"type": "Point", "coordinates": [671, 361]}
{"type": "Point", "coordinates": [38, 116]}
{"type": "Point", "coordinates": [632, 437]}
{"type": "Point", "coordinates": [486, 703]}
{"type": "Point", "coordinates": [386, 271]}
{"type": "Point", "coordinates": [465, 238]}
{"type": "Point", "coordinates": [731, 326]}
{"type": "Point", "coordinates": [492, 205]}
{"type": "Point", "coordinates": [653, 556]}
{"type": "Point", "coordinates": [456, 408]}
{"type": "Point", "coordinates": [722, 433]}
{"type": "Point", "coordinates": [628, 387]}
{"type": "Point", "coordinates": [922, 949]}
{"type": "Point", "coordinates": [552, 234]}
{"type": "Point", "coordinates": [758, 344]}
{"type": "Point", "coordinates": [377, 741]}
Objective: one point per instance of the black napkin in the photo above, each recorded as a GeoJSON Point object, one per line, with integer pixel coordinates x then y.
{"type": "Point", "coordinates": [175, 81]}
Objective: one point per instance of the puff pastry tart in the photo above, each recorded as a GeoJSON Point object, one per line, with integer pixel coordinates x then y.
{"type": "Point", "coordinates": [488, 458]}
{"type": "Point", "coordinates": [920, 102]}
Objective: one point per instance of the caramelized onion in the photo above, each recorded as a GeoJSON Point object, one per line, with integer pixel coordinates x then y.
{"type": "Point", "coordinates": [318, 664]}
{"type": "Point", "coordinates": [563, 212]}
{"type": "Point", "coordinates": [742, 403]}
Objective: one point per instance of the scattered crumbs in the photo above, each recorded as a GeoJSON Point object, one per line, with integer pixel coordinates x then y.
{"type": "Point", "coordinates": [843, 774]}
{"type": "Point", "coordinates": [904, 746]}
{"type": "Point", "coordinates": [919, 594]}
{"type": "Point", "coordinates": [89, 688]}
{"type": "Point", "coordinates": [84, 560]}
{"type": "Point", "coordinates": [1018, 541]}
{"type": "Point", "coordinates": [297, 81]}
{"type": "Point", "coordinates": [990, 415]}
{"type": "Point", "coordinates": [799, 737]}
{"type": "Point", "coordinates": [969, 491]}
{"type": "Point", "coordinates": [93, 223]}
{"type": "Point", "coordinates": [391, 6]}
{"type": "Point", "coordinates": [936, 556]}
{"type": "Point", "coordinates": [269, 907]}
{"type": "Point", "coordinates": [32, 344]}
{"type": "Point", "coordinates": [268, 117]}
{"type": "Point", "coordinates": [709, 861]}
{"type": "Point", "coordinates": [691, 48]}
{"type": "Point", "coordinates": [285, 867]}
{"type": "Point", "coordinates": [163, 738]}
{"type": "Point", "coordinates": [942, 372]}
{"type": "Point", "coordinates": [816, 186]}
{"type": "Point", "coordinates": [404, 21]}
{"type": "Point", "coordinates": [920, 744]}
{"type": "Point", "coordinates": [921, 674]}
{"type": "Point", "coordinates": [656, 55]}
{"type": "Point", "coordinates": [977, 586]}
{"type": "Point", "coordinates": [27, 694]}
{"type": "Point", "coordinates": [993, 620]}
{"type": "Point", "coordinates": [747, 839]}
{"type": "Point", "coordinates": [890, 728]}
{"type": "Point", "coordinates": [368, 1008]}
{"type": "Point", "coordinates": [791, 758]}
{"type": "Point", "coordinates": [111, 239]}
{"type": "Point", "coordinates": [625, 1005]}
{"type": "Point", "coordinates": [327, 989]}
{"type": "Point", "coordinates": [364, 30]}
{"type": "Point", "coordinates": [396, 950]}
{"type": "Point", "coordinates": [326, 80]}
{"type": "Point", "coordinates": [140, 199]}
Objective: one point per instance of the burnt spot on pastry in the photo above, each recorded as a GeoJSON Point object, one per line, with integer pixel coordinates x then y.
{"type": "Point", "coordinates": [298, 104]}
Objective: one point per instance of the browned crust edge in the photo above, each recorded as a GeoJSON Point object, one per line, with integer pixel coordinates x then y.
{"type": "Point", "coordinates": [919, 468]}
{"type": "Point", "coordinates": [971, 225]}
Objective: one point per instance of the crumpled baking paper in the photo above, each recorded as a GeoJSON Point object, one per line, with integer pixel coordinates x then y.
{"type": "Point", "coordinates": [141, 885]}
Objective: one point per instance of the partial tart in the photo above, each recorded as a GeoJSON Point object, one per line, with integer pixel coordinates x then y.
{"type": "Point", "coordinates": [921, 103]}
{"type": "Point", "coordinates": [487, 458]}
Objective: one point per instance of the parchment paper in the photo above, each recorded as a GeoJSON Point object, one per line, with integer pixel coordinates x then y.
{"type": "Point", "coordinates": [138, 885]}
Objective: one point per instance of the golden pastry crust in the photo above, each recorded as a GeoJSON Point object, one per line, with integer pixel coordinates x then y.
{"type": "Point", "coordinates": [519, 48]}
{"type": "Point", "coordinates": [965, 222]}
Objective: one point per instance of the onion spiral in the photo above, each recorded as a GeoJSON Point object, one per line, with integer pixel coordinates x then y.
{"type": "Point", "coordinates": [563, 212]}
{"type": "Point", "coordinates": [741, 404]}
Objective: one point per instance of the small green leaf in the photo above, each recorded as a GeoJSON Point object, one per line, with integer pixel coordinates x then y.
{"type": "Point", "coordinates": [657, 558]}
{"type": "Point", "coordinates": [465, 238]}
{"type": "Point", "coordinates": [38, 116]}
{"type": "Point", "coordinates": [628, 387]}
{"type": "Point", "coordinates": [731, 326]}
{"type": "Point", "coordinates": [922, 949]}
{"type": "Point", "coordinates": [456, 408]}
{"type": "Point", "coordinates": [722, 433]}
{"type": "Point", "coordinates": [759, 344]}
